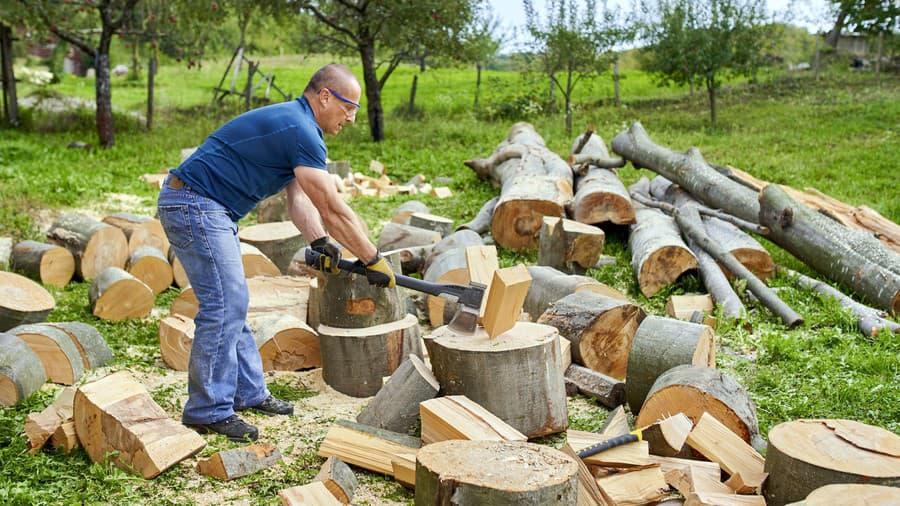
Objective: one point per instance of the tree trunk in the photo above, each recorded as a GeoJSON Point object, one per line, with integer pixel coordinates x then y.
{"type": "Point", "coordinates": [117, 295]}
{"type": "Point", "coordinates": [711, 91]}
{"type": "Point", "coordinates": [105, 128]}
{"type": "Point", "coordinates": [396, 406]}
{"type": "Point", "coordinates": [47, 263]}
{"type": "Point", "coordinates": [607, 390]}
{"type": "Point", "coordinates": [373, 91]}
{"type": "Point", "coordinates": [94, 245]}
{"type": "Point", "coordinates": [22, 301]}
{"type": "Point", "coordinates": [412, 95]}
{"type": "Point", "coordinates": [832, 37]}
{"type": "Point", "coordinates": [58, 353]}
{"type": "Point", "coordinates": [151, 76]}
{"type": "Point", "coordinates": [10, 102]}
{"type": "Point", "coordinates": [477, 84]}
{"type": "Point", "coordinates": [21, 370]}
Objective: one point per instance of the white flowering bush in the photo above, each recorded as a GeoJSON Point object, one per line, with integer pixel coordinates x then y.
{"type": "Point", "coordinates": [39, 77]}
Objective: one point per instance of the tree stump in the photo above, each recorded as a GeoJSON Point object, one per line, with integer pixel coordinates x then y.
{"type": "Point", "coordinates": [658, 255]}
{"type": "Point", "coordinates": [494, 472]}
{"type": "Point", "coordinates": [396, 406]}
{"type": "Point", "coordinates": [21, 371]}
{"type": "Point", "coordinates": [354, 360]}
{"type": "Point", "coordinates": [447, 263]}
{"type": "Point", "coordinates": [349, 301]}
{"type": "Point", "coordinates": [117, 295]}
{"type": "Point", "coordinates": [279, 241]}
{"type": "Point", "coordinates": [852, 495]}
{"type": "Point", "coordinates": [548, 285]}
{"type": "Point", "coordinates": [60, 357]}
{"type": "Point", "coordinates": [22, 301]}
{"type": "Point", "coordinates": [516, 375]}
{"type": "Point", "coordinates": [91, 345]}
{"type": "Point", "coordinates": [804, 455]}
{"type": "Point", "coordinates": [94, 245]}
{"type": "Point", "coordinates": [285, 342]}
{"type": "Point", "coordinates": [116, 419]}
{"type": "Point", "coordinates": [140, 231]}
{"type": "Point", "coordinates": [661, 344]}
{"type": "Point", "coordinates": [694, 390]}
{"type": "Point", "coordinates": [47, 263]}
{"type": "Point", "coordinates": [256, 263]}
{"type": "Point", "coordinates": [600, 329]}
{"type": "Point", "coordinates": [176, 336]}
{"type": "Point", "coordinates": [406, 209]}
{"type": "Point", "coordinates": [151, 266]}
{"type": "Point", "coordinates": [395, 236]}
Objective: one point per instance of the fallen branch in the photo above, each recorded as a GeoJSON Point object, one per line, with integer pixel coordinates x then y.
{"type": "Point", "coordinates": [705, 211]}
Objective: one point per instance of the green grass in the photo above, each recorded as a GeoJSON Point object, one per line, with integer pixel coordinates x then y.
{"type": "Point", "coordinates": [838, 135]}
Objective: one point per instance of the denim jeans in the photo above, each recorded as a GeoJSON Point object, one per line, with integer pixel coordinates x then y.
{"type": "Point", "coordinates": [225, 370]}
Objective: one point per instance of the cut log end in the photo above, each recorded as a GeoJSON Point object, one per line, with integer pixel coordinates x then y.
{"type": "Point", "coordinates": [663, 267]}
{"type": "Point", "coordinates": [516, 224]}
{"type": "Point", "coordinates": [108, 247]}
{"type": "Point", "coordinates": [123, 299]}
{"type": "Point", "coordinates": [22, 301]}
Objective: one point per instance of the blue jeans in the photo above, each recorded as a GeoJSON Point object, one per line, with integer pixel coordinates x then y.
{"type": "Point", "coordinates": [225, 371]}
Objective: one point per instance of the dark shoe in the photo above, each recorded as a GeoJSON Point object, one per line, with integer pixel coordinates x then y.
{"type": "Point", "coordinates": [232, 427]}
{"type": "Point", "coordinates": [274, 406]}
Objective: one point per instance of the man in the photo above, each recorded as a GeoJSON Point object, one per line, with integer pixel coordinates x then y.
{"type": "Point", "coordinates": [246, 160]}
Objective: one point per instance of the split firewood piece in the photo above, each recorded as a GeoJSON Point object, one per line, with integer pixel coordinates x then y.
{"type": "Point", "coordinates": [696, 390]}
{"type": "Point", "coordinates": [279, 294]}
{"type": "Point", "coordinates": [354, 360]}
{"type": "Point", "coordinates": [609, 391]}
{"type": "Point", "coordinates": [481, 263]}
{"type": "Point", "coordinates": [176, 336]}
{"type": "Point", "coordinates": [684, 342]}
{"type": "Point", "coordinates": [366, 447]}
{"type": "Point", "coordinates": [40, 427]}
{"type": "Point", "coordinates": [185, 303]}
{"type": "Point", "coordinates": [116, 419]}
{"type": "Point", "coordinates": [140, 231]}
{"type": "Point", "coordinates": [94, 245]}
{"type": "Point", "coordinates": [56, 349]}
{"type": "Point", "coordinates": [509, 287]}
{"type": "Point", "coordinates": [658, 254]}
{"type": "Point", "coordinates": [646, 485]}
{"type": "Point", "coordinates": [273, 208]}
{"type": "Point", "coordinates": [720, 499]}
{"type": "Point", "coordinates": [548, 285]}
{"type": "Point", "coordinates": [457, 417]}
{"type": "Point", "coordinates": [279, 241]}
{"type": "Point", "coordinates": [22, 301]}
{"type": "Point", "coordinates": [569, 246]}
{"type": "Point", "coordinates": [447, 263]}
{"type": "Point", "coordinates": [338, 479]}
{"type": "Point", "coordinates": [689, 476]}
{"type": "Point", "coordinates": [48, 263]}
{"type": "Point", "coordinates": [683, 307]}
{"type": "Point", "coordinates": [117, 295]}
{"type": "Point", "coordinates": [616, 423]}
{"type": "Point", "coordinates": [441, 192]}
{"type": "Point", "coordinates": [600, 329]}
{"type": "Point", "coordinates": [589, 494]}
{"type": "Point", "coordinates": [412, 259]}
{"type": "Point", "coordinates": [21, 370]}
{"type": "Point", "coordinates": [508, 472]}
{"type": "Point", "coordinates": [178, 274]}
{"type": "Point", "coordinates": [406, 209]}
{"type": "Point", "coordinates": [439, 224]}
{"type": "Point", "coordinates": [719, 444]}
{"type": "Point", "coordinates": [396, 235]}
{"type": "Point", "coordinates": [804, 455]}
{"type": "Point", "coordinates": [745, 483]}
{"type": "Point", "coordinates": [312, 493]}
{"type": "Point", "coordinates": [239, 462]}
{"type": "Point", "coordinates": [256, 263]}
{"type": "Point", "coordinates": [90, 343]}
{"type": "Point", "coordinates": [396, 406]}
{"type": "Point", "coordinates": [626, 455]}
{"type": "Point", "coordinates": [151, 266]}
{"type": "Point", "coordinates": [285, 342]}
{"type": "Point", "coordinates": [481, 223]}
{"type": "Point", "coordinates": [404, 466]}
{"type": "Point", "coordinates": [6, 245]}
{"type": "Point", "coordinates": [852, 495]}
{"type": "Point", "coordinates": [565, 349]}
{"type": "Point", "coordinates": [65, 438]}
{"type": "Point", "coordinates": [666, 437]}
{"type": "Point", "coordinates": [530, 396]}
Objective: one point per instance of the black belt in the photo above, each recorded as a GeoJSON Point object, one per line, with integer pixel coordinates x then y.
{"type": "Point", "coordinates": [175, 182]}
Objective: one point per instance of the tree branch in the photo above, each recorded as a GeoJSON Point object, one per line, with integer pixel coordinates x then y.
{"type": "Point", "coordinates": [334, 26]}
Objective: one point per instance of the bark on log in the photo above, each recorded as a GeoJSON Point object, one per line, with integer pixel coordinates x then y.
{"type": "Point", "coordinates": [694, 390]}
{"type": "Point", "coordinates": [494, 472]}
{"type": "Point", "coordinates": [338, 478]}
{"type": "Point", "coordinates": [668, 196]}
{"type": "Point", "coordinates": [116, 419]}
{"type": "Point", "coordinates": [48, 263]}
{"type": "Point", "coordinates": [600, 195]}
{"type": "Point", "coordinates": [807, 454]}
{"type": "Point", "coordinates": [396, 406]}
{"type": "Point", "coordinates": [522, 152]}
{"type": "Point", "coordinates": [524, 201]}
{"type": "Point", "coordinates": [151, 266]}
{"type": "Point", "coordinates": [22, 301]}
{"type": "Point", "coordinates": [549, 285]}
{"type": "Point", "coordinates": [609, 391]}
{"type": "Point", "coordinates": [140, 231]}
{"type": "Point", "coordinates": [481, 223]}
{"type": "Point", "coordinates": [600, 329]}
{"type": "Point", "coordinates": [285, 342]}
{"type": "Point", "coordinates": [439, 224]}
{"type": "Point", "coordinates": [94, 245]}
{"type": "Point", "coordinates": [279, 241]}
{"type": "Point", "coordinates": [21, 371]}
{"type": "Point", "coordinates": [746, 250]}
{"type": "Point", "coordinates": [91, 345]}
{"type": "Point", "coordinates": [516, 375]}
{"type": "Point", "coordinates": [570, 246]}
{"type": "Point", "coordinates": [658, 255]}
{"type": "Point", "coordinates": [349, 301]}
{"type": "Point", "coordinates": [354, 360]}
{"type": "Point", "coordinates": [256, 263]}
{"type": "Point", "coordinates": [716, 283]}
{"type": "Point", "coordinates": [852, 495]}
{"type": "Point", "coordinates": [406, 209]}
{"type": "Point", "coordinates": [447, 264]}
{"type": "Point", "coordinates": [58, 353]}
{"type": "Point", "coordinates": [239, 462]}
{"type": "Point", "coordinates": [180, 277]}
{"type": "Point", "coordinates": [412, 260]}
{"type": "Point", "coordinates": [117, 295]}
{"type": "Point", "coordinates": [176, 336]}
{"type": "Point", "coordinates": [395, 236]}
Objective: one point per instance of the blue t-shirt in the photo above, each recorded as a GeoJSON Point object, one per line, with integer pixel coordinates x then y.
{"type": "Point", "coordinates": [253, 156]}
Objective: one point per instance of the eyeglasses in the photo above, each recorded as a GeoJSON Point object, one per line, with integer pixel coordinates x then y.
{"type": "Point", "coordinates": [337, 95]}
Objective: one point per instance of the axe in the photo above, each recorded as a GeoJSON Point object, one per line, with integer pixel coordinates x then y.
{"type": "Point", "coordinates": [468, 298]}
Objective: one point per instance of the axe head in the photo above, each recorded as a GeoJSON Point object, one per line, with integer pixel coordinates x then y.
{"type": "Point", "coordinates": [464, 321]}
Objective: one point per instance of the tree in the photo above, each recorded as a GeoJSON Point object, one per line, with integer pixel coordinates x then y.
{"type": "Point", "coordinates": [703, 40]}
{"type": "Point", "coordinates": [389, 30]}
{"type": "Point", "coordinates": [868, 16]}
{"type": "Point", "coordinates": [573, 43]}
{"type": "Point", "coordinates": [481, 42]}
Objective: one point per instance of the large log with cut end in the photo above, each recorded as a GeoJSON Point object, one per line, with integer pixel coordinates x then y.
{"type": "Point", "coordinates": [176, 336]}
{"type": "Point", "coordinates": [180, 277]}
{"type": "Point", "coordinates": [48, 263]}
{"type": "Point", "coordinates": [140, 231]}
{"type": "Point", "coordinates": [22, 301]}
{"type": "Point", "coordinates": [524, 201]}
{"type": "Point", "coordinates": [256, 263]}
{"type": "Point", "coordinates": [396, 406]}
{"type": "Point", "coordinates": [494, 472]}
{"type": "Point", "coordinates": [117, 295]}
{"type": "Point", "coordinates": [600, 197]}
{"type": "Point", "coordinates": [151, 266]}
{"type": "Point", "coordinates": [279, 241]}
{"type": "Point", "coordinates": [90, 343]}
{"type": "Point", "coordinates": [21, 371]}
{"type": "Point", "coordinates": [658, 255]}
{"type": "Point", "coordinates": [285, 342]}
{"type": "Point", "coordinates": [94, 245]}
{"type": "Point", "coordinates": [852, 495]}
{"type": "Point", "coordinates": [549, 285]}
{"type": "Point", "coordinates": [600, 329]}
{"type": "Point", "coordinates": [570, 246]}
{"type": "Point", "coordinates": [804, 455]}
{"type": "Point", "coordinates": [58, 353]}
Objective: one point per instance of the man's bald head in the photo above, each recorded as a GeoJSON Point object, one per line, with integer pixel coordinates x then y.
{"type": "Point", "coordinates": [333, 75]}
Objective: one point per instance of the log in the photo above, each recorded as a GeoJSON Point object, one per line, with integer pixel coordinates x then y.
{"type": "Point", "coordinates": [338, 479]}
{"type": "Point", "coordinates": [406, 209]}
{"type": "Point", "coordinates": [658, 255]}
{"type": "Point", "coordinates": [395, 236]}
{"type": "Point", "coordinates": [311, 493]}
{"type": "Point", "coordinates": [646, 485]}
{"type": "Point", "coordinates": [396, 406]}
{"type": "Point", "coordinates": [151, 266]}
{"type": "Point", "coordinates": [273, 208]}
{"type": "Point", "coordinates": [666, 437]}
{"type": "Point", "coordinates": [366, 447]}
{"type": "Point", "coordinates": [712, 439]}
{"type": "Point", "coordinates": [22, 301]}
{"type": "Point", "coordinates": [65, 438]}
{"type": "Point", "coordinates": [600, 329]}
{"type": "Point", "coordinates": [609, 391]}
{"type": "Point", "coordinates": [285, 342]}
{"type": "Point", "coordinates": [522, 152]}
{"type": "Point", "coordinates": [40, 427]}
{"type": "Point", "coordinates": [660, 344]}
{"type": "Point", "coordinates": [180, 277]}
{"type": "Point", "coordinates": [349, 301]}
{"type": "Point", "coordinates": [256, 263]}
{"type": "Point", "coordinates": [447, 264]}
{"type": "Point", "coordinates": [140, 231]}
{"type": "Point", "coordinates": [600, 197]}
{"type": "Point", "coordinates": [457, 417]}
{"type": "Point", "coordinates": [94, 245]}
{"type": "Point", "coordinates": [804, 455]}
{"type": "Point", "coordinates": [716, 283]}
{"type": "Point", "coordinates": [58, 353]}
{"type": "Point", "coordinates": [503, 306]}
{"type": "Point", "coordinates": [279, 241]}
{"type": "Point", "coordinates": [524, 202]}
{"type": "Point", "coordinates": [494, 472]}
{"type": "Point", "coordinates": [569, 246]}
{"type": "Point", "coordinates": [239, 462]}
{"type": "Point", "coordinates": [116, 419]}
{"type": "Point", "coordinates": [852, 495]}
{"type": "Point", "coordinates": [48, 263]}
{"type": "Point", "coordinates": [355, 359]}
{"type": "Point", "coordinates": [21, 371]}
{"type": "Point", "coordinates": [549, 285]}
{"type": "Point", "coordinates": [412, 260]}
{"type": "Point", "coordinates": [481, 223]}
{"type": "Point", "coordinates": [176, 336]}
{"type": "Point", "coordinates": [746, 250]}
{"type": "Point", "coordinates": [515, 375]}
{"type": "Point", "coordinates": [91, 345]}
{"type": "Point", "coordinates": [185, 304]}
{"type": "Point", "coordinates": [634, 454]}
{"type": "Point", "coordinates": [439, 224]}
{"type": "Point", "coordinates": [117, 295]}
{"type": "Point", "coordinates": [696, 390]}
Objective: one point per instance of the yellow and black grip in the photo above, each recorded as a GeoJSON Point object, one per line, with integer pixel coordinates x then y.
{"type": "Point", "coordinates": [609, 444]}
